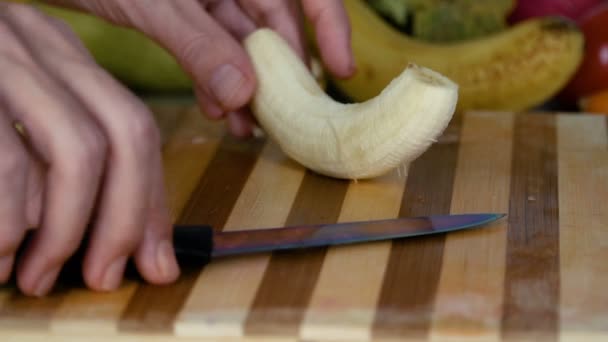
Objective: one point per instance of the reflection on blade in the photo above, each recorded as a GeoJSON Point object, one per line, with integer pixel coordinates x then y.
{"type": "Point", "coordinates": [264, 240]}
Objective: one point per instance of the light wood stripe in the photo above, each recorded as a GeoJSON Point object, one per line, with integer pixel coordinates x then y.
{"type": "Point", "coordinates": [154, 308]}
{"type": "Point", "coordinates": [187, 156]}
{"type": "Point", "coordinates": [408, 291]}
{"type": "Point", "coordinates": [344, 300]}
{"type": "Point", "coordinates": [29, 313]}
{"type": "Point", "coordinates": [221, 298]}
{"type": "Point", "coordinates": [469, 297]}
{"type": "Point", "coordinates": [33, 336]}
{"type": "Point", "coordinates": [83, 310]}
{"type": "Point", "coordinates": [583, 189]}
{"type": "Point", "coordinates": [531, 289]}
{"type": "Point", "coordinates": [290, 278]}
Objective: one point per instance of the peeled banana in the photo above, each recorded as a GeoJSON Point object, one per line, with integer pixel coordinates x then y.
{"type": "Point", "coordinates": [349, 141]}
{"type": "Point", "coordinates": [515, 69]}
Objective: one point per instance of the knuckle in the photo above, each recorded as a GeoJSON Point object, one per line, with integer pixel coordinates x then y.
{"type": "Point", "coordinates": [267, 7]}
{"type": "Point", "coordinates": [13, 163]}
{"type": "Point", "coordinates": [61, 25]}
{"type": "Point", "coordinates": [142, 132]}
{"type": "Point", "coordinates": [17, 9]}
{"type": "Point", "coordinates": [194, 48]}
{"type": "Point", "coordinates": [85, 151]}
{"type": "Point", "coordinates": [12, 49]}
{"type": "Point", "coordinates": [125, 241]}
{"type": "Point", "coordinates": [9, 242]}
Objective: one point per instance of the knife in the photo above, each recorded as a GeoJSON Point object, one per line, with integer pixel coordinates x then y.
{"type": "Point", "coordinates": [197, 245]}
{"type": "Point", "coordinates": [203, 244]}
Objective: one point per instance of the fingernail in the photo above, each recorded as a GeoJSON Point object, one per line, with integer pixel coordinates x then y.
{"type": "Point", "coordinates": [237, 125]}
{"type": "Point", "coordinates": [6, 265]}
{"type": "Point", "coordinates": [213, 111]}
{"type": "Point", "coordinates": [225, 82]}
{"type": "Point", "coordinates": [114, 272]}
{"type": "Point", "coordinates": [165, 259]}
{"type": "Point", "coordinates": [46, 282]}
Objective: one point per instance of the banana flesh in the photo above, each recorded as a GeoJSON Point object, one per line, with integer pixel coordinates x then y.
{"type": "Point", "coordinates": [515, 69]}
{"type": "Point", "coordinates": [349, 141]}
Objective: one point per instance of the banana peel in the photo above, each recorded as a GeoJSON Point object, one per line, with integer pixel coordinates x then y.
{"type": "Point", "coordinates": [511, 70]}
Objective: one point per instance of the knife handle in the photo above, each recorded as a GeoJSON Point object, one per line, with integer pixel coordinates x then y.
{"type": "Point", "coordinates": [193, 246]}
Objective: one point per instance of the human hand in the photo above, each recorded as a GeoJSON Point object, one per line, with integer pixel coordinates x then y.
{"type": "Point", "coordinates": [205, 35]}
{"type": "Point", "coordinates": [90, 155]}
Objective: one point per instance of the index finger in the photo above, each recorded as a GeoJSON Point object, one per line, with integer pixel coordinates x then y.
{"type": "Point", "coordinates": [332, 28]}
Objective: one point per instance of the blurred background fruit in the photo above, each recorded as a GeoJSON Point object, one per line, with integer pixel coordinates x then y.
{"type": "Point", "coordinates": [512, 69]}
{"type": "Point", "coordinates": [572, 9]}
{"type": "Point", "coordinates": [595, 103]}
{"type": "Point", "coordinates": [470, 41]}
{"type": "Point", "coordinates": [592, 76]}
{"type": "Point", "coordinates": [444, 20]}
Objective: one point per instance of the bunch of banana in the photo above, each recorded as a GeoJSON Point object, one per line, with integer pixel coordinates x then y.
{"type": "Point", "coordinates": [514, 69]}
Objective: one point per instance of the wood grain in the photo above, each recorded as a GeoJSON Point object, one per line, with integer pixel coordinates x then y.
{"type": "Point", "coordinates": [154, 308]}
{"type": "Point", "coordinates": [469, 297]}
{"type": "Point", "coordinates": [537, 275]}
{"type": "Point", "coordinates": [343, 303]}
{"type": "Point", "coordinates": [532, 280]}
{"type": "Point", "coordinates": [409, 286]}
{"type": "Point", "coordinates": [265, 201]}
{"type": "Point", "coordinates": [583, 221]}
{"type": "Point", "coordinates": [290, 277]}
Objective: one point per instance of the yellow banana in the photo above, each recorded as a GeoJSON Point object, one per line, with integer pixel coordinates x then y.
{"type": "Point", "coordinates": [515, 69]}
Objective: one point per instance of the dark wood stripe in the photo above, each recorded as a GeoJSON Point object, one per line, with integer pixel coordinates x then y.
{"type": "Point", "coordinates": [289, 281]}
{"type": "Point", "coordinates": [531, 297]}
{"type": "Point", "coordinates": [408, 294]}
{"type": "Point", "coordinates": [154, 308]}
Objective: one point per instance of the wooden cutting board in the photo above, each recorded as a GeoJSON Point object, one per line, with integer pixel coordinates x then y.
{"type": "Point", "coordinates": [540, 274]}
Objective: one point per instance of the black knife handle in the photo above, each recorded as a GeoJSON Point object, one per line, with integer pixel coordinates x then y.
{"type": "Point", "coordinates": [193, 246]}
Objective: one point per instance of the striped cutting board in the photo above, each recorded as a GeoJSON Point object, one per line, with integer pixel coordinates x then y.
{"type": "Point", "coordinates": [541, 274]}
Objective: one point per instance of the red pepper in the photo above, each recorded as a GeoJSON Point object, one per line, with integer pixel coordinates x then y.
{"type": "Point", "coordinates": [592, 74]}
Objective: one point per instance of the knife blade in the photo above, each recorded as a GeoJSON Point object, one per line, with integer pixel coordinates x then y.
{"type": "Point", "coordinates": [204, 244]}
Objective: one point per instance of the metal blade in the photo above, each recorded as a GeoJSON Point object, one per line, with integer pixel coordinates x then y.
{"type": "Point", "coordinates": [273, 239]}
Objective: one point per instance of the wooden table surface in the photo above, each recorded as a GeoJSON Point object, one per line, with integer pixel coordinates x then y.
{"type": "Point", "coordinates": [539, 274]}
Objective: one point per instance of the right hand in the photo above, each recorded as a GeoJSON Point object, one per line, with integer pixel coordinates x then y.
{"type": "Point", "coordinates": [205, 37]}
{"type": "Point", "coordinates": [90, 155]}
